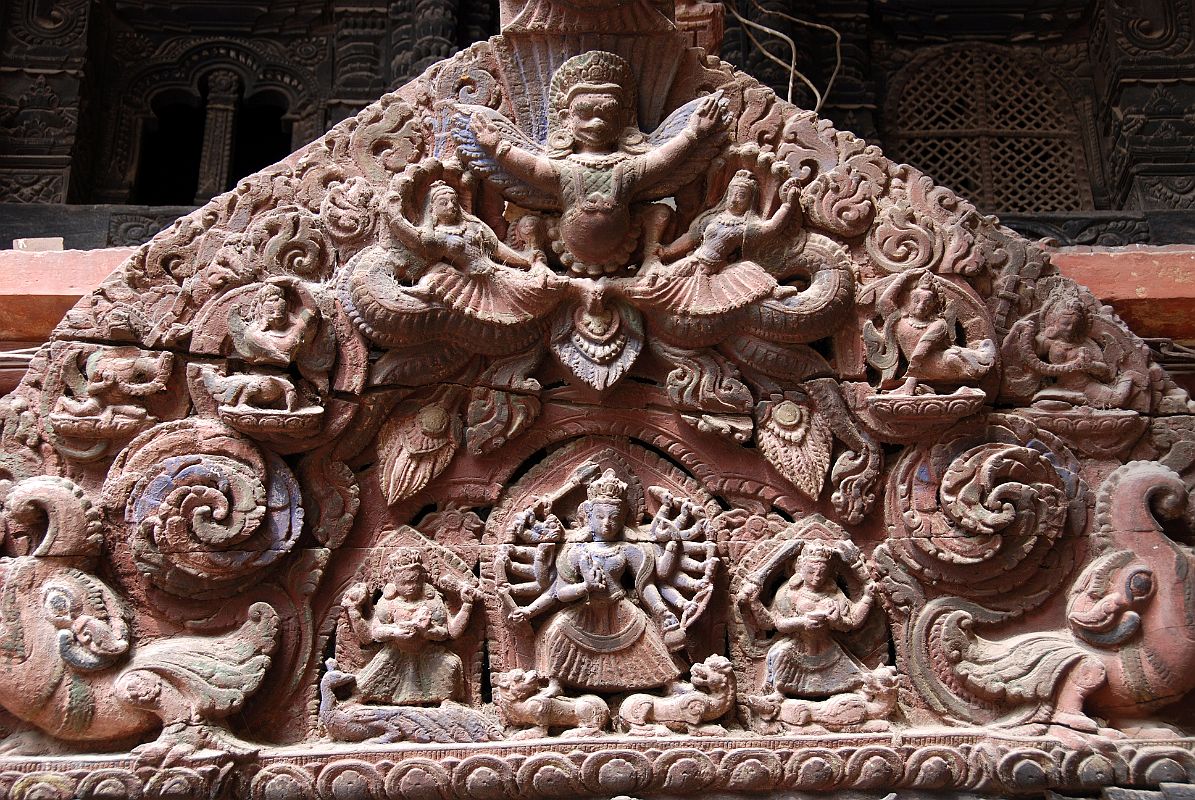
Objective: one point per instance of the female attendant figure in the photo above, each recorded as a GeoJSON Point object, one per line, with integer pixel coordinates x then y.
{"type": "Point", "coordinates": [469, 271]}
{"type": "Point", "coordinates": [809, 613]}
{"type": "Point", "coordinates": [715, 276]}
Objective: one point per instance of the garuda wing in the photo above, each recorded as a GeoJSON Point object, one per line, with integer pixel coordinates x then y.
{"type": "Point", "coordinates": [482, 161]}
{"type": "Point", "coordinates": [696, 162]}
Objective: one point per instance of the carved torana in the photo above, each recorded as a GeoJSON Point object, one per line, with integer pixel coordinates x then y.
{"type": "Point", "coordinates": [581, 419]}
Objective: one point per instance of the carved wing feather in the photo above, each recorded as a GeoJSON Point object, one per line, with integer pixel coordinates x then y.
{"type": "Point", "coordinates": [482, 162]}
{"type": "Point", "coordinates": [214, 674]}
{"type": "Point", "coordinates": [444, 724]}
{"type": "Point", "coordinates": [698, 159]}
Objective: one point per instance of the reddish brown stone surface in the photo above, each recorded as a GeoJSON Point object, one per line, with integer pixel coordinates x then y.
{"type": "Point", "coordinates": [568, 425]}
{"type": "Point", "coordinates": [37, 288]}
{"type": "Point", "coordinates": [1151, 288]}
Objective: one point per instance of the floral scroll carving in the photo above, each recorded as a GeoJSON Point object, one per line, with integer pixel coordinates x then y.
{"type": "Point", "coordinates": [581, 419]}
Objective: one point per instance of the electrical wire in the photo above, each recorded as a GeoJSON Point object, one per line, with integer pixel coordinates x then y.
{"type": "Point", "coordinates": [819, 96]}
{"type": "Point", "coordinates": [793, 72]}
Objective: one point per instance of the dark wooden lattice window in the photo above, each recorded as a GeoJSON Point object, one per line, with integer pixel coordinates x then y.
{"type": "Point", "coordinates": [992, 127]}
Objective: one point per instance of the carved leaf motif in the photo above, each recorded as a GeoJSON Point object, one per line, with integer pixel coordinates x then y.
{"type": "Point", "coordinates": [349, 210]}
{"type": "Point", "coordinates": [598, 345]}
{"type": "Point", "coordinates": [795, 441]}
{"type": "Point", "coordinates": [856, 471]}
{"type": "Point", "coordinates": [841, 202]}
{"type": "Point", "coordinates": [415, 446]}
{"type": "Point", "coordinates": [292, 241]}
{"type": "Point", "coordinates": [704, 381]}
{"type": "Point", "coordinates": [496, 416]}
{"type": "Point", "coordinates": [332, 495]}
{"type": "Point", "coordinates": [388, 136]}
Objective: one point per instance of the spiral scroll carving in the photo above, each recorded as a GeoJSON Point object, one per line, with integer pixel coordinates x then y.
{"type": "Point", "coordinates": [206, 524]}
{"type": "Point", "coordinates": [980, 512]}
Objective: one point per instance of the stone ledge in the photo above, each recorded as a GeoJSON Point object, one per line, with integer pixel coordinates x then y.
{"type": "Point", "coordinates": [1151, 288]}
{"type": "Point", "coordinates": [982, 760]}
{"type": "Point", "coordinates": [37, 288]}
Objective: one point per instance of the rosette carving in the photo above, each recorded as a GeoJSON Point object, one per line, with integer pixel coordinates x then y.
{"type": "Point", "coordinates": [981, 512]}
{"type": "Point", "coordinates": [349, 210]}
{"type": "Point", "coordinates": [208, 512]}
{"type": "Point", "coordinates": [841, 201]}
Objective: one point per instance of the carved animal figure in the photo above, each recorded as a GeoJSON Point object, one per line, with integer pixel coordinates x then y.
{"type": "Point", "coordinates": [346, 720]}
{"type": "Point", "coordinates": [709, 696]}
{"type": "Point", "coordinates": [64, 635]}
{"type": "Point", "coordinates": [1131, 647]}
{"type": "Point", "coordinates": [117, 380]}
{"type": "Point", "coordinates": [528, 703]}
{"type": "Point", "coordinates": [865, 710]}
{"type": "Point", "coordinates": [252, 391]}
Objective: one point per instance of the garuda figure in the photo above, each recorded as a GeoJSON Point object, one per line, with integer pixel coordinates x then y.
{"type": "Point", "coordinates": [598, 170]}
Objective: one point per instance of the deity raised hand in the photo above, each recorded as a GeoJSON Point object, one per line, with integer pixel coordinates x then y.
{"type": "Point", "coordinates": [917, 328]}
{"type": "Point", "coordinates": [604, 583]}
{"type": "Point", "coordinates": [710, 271]}
{"type": "Point", "coordinates": [406, 624]}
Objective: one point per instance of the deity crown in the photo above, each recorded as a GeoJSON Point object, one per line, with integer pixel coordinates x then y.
{"type": "Point", "coordinates": [743, 178]}
{"type": "Point", "coordinates": [595, 71]}
{"type": "Point", "coordinates": [819, 550]}
{"type": "Point", "coordinates": [406, 558]}
{"type": "Point", "coordinates": [608, 488]}
{"type": "Point", "coordinates": [1065, 298]}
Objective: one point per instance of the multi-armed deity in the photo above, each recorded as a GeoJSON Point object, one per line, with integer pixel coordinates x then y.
{"type": "Point", "coordinates": [606, 604]}
{"type": "Point", "coordinates": [741, 456]}
{"type": "Point", "coordinates": [811, 677]}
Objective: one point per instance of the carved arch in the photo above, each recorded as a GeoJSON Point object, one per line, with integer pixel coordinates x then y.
{"type": "Point", "coordinates": [181, 66]}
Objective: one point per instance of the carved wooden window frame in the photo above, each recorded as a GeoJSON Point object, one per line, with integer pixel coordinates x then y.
{"type": "Point", "coordinates": [985, 121]}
